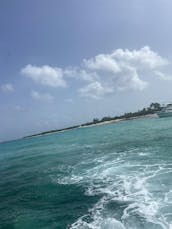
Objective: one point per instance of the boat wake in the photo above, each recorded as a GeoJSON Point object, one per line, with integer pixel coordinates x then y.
{"type": "Point", "coordinates": [134, 193]}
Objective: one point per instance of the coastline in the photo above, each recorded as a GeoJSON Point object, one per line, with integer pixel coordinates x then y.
{"type": "Point", "coordinates": [91, 125]}
{"type": "Point", "coordinates": [120, 120]}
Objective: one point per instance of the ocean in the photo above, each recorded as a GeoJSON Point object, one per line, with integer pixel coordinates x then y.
{"type": "Point", "coordinates": [115, 176]}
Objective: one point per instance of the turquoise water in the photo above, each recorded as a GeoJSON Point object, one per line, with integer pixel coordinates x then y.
{"type": "Point", "coordinates": [106, 177]}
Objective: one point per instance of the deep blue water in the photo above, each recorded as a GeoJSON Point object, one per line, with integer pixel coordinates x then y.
{"type": "Point", "coordinates": [106, 177]}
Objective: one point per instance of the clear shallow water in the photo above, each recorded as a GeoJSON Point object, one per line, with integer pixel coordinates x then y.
{"type": "Point", "coordinates": [107, 177]}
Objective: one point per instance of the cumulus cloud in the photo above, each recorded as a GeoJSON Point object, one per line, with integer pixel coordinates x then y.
{"type": "Point", "coordinates": [7, 87]}
{"type": "Point", "coordinates": [105, 74]}
{"type": "Point", "coordinates": [121, 70]}
{"type": "Point", "coordinates": [80, 74]}
{"type": "Point", "coordinates": [95, 90]}
{"type": "Point", "coordinates": [144, 57]}
{"type": "Point", "coordinates": [46, 97]}
{"type": "Point", "coordinates": [45, 75]}
{"type": "Point", "coordinates": [102, 62]}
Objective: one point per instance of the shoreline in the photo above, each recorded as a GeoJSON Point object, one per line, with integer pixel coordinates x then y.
{"type": "Point", "coordinates": [91, 125]}
{"type": "Point", "coordinates": [120, 120]}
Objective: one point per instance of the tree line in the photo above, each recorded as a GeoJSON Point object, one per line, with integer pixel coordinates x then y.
{"type": "Point", "coordinates": [153, 108]}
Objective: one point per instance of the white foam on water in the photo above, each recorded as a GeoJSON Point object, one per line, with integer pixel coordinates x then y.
{"type": "Point", "coordinates": [67, 180]}
{"type": "Point", "coordinates": [168, 197]}
{"type": "Point", "coordinates": [98, 221]}
{"type": "Point", "coordinates": [142, 189]}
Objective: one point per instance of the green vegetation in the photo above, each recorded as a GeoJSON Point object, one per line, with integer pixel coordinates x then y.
{"type": "Point", "coordinates": [52, 131]}
{"type": "Point", "coordinates": [153, 108]}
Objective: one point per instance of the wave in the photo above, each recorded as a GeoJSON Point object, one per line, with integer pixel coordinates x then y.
{"type": "Point", "coordinates": [133, 193]}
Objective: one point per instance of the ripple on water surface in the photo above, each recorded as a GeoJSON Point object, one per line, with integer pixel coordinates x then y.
{"type": "Point", "coordinates": [114, 176]}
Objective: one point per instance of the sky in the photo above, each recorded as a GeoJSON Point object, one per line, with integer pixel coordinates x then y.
{"type": "Point", "coordinates": [65, 62]}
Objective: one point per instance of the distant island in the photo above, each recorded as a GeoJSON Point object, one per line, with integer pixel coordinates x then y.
{"type": "Point", "coordinates": [148, 111]}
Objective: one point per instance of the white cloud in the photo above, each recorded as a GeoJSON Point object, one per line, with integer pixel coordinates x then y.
{"type": "Point", "coordinates": [129, 79]}
{"type": "Point", "coordinates": [95, 90]}
{"type": "Point", "coordinates": [143, 58]}
{"type": "Point", "coordinates": [105, 73]}
{"type": "Point", "coordinates": [42, 97]}
{"type": "Point", "coordinates": [45, 75]}
{"type": "Point", "coordinates": [121, 70]}
{"type": "Point", "coordinates": [80, 74]}
{"type": "Point", "coordinates": [7, 87]}
{"type": "Point", "coordinates": [102, 63]}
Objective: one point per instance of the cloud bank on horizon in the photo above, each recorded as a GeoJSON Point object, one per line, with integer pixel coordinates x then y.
{"type": "Point", "coordinates": [103, 74]}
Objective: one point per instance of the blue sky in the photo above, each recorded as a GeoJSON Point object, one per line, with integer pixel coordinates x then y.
{"type": "Point", "coordinates": [65, 62]}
